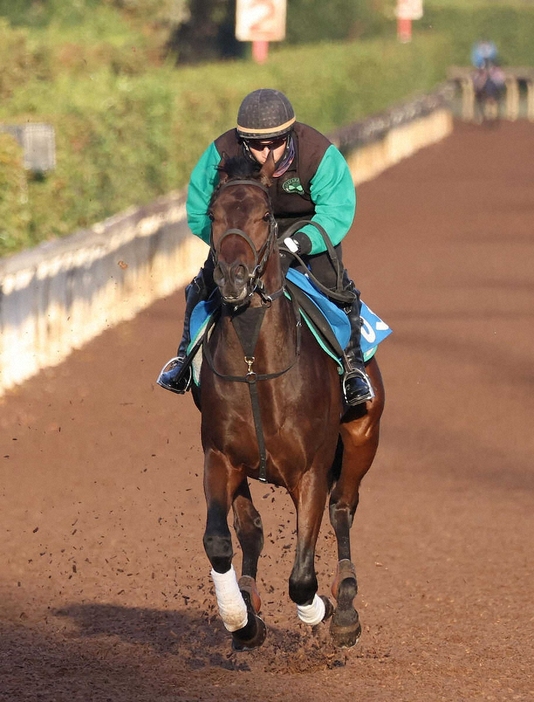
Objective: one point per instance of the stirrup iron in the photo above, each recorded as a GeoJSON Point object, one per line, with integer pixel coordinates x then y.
{"type": "Point", "coordinates": [358, 372]}
{"type": "Point", "coordinates": [185, 374]}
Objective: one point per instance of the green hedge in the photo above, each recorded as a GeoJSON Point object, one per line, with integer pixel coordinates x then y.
{"type": "Point", "coordinates": [14, 210]}
{"type": "Point", "coordinates": [511, 27]}
{"type": "Point", "coordinates": [124, 140]}
{"type": "Point", "coordinates": [127, 131]}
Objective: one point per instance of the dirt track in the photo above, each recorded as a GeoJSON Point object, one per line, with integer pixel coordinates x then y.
{"type": "Point", "coordinates": [104, 587]}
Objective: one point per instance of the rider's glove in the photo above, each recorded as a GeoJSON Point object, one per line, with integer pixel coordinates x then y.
{"type": "Point", "coordinates": [299, 243]}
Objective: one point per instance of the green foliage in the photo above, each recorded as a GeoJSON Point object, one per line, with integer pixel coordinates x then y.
{"type": "Point", "coordinates": [336, 20]}
{"type": "Point", "coordinates": [510, 26]}
{"type": "Point", "coordinates": [14, 211]}
{"type": "Point", "coordinates": [130, 127]}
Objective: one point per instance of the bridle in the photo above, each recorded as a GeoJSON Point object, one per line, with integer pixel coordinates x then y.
{"type": "Point", "coordinates": [261, 256]}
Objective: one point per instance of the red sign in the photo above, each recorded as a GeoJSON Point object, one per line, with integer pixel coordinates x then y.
{"type": "Point", "coordinates": [260, 20]}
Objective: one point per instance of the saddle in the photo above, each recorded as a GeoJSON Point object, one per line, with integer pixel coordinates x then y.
{"type": "Point", "coordinates": [327, 322]}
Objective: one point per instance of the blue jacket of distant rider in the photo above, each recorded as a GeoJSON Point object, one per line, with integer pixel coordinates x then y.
{"type": "Point", "coordinates": [317, 185]}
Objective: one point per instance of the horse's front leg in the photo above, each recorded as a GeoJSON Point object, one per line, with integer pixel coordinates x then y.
{"type": "Point", "coordinates": [249, 530]}
{"type": "Point", "coordinates": [309, 499]}
{"type": "Point", "coordinates": [221, 482]}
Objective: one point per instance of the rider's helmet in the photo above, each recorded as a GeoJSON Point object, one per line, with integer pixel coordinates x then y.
{"type": "Point", "coordinates": [265, 114]}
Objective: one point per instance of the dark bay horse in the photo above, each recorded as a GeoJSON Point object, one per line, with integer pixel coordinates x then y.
{"type": "Point", "coordinates": [271, 405]}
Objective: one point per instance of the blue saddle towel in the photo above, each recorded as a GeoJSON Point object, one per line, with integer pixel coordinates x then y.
{"type": "Point", "coordinates": [374, 330]}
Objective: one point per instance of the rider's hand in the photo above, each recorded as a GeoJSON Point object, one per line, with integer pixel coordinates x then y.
{"type": "Point", "coordinates": [303, 241]}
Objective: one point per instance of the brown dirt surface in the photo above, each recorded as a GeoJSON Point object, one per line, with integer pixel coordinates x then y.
{"type": "Point", "coordinates": [104, 585]}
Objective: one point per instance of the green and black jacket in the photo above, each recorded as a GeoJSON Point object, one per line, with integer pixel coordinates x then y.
{"type": "Point", "coordinates": [317, 185]}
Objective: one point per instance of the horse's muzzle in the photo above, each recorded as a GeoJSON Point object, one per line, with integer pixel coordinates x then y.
{"type": "Point", "coordinates": [233, 281]}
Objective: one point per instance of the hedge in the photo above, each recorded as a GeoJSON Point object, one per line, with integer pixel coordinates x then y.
{"type": "Point", "coordinates": [128, 131]}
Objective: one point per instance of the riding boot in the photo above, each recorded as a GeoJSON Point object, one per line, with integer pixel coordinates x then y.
{"type": "Point", "coordinates": [177, 374]}
{"type": "Point", "coordinates": [357, 387]}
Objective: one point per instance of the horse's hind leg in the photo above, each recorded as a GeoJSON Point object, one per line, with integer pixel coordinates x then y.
{"type": "Point", "coordinates": [249, 531]}
{"type": "Point", "coordinates": [360, 442]}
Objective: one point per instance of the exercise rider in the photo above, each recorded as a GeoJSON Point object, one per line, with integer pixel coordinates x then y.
{"type": "Point", "coordinates": [312, 181]}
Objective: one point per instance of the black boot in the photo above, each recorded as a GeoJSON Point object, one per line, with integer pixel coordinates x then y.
{"type": "Point", "coordinates": [356, 384]}
{"type": "Point", "coordinates": [177, 374]}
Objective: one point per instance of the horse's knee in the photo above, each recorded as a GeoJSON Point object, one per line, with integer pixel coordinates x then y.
{"type": "Point", "coordinates": [219, 550]}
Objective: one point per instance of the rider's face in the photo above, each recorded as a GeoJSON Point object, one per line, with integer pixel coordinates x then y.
{"type": "Point", "coordinates": [260, 148]}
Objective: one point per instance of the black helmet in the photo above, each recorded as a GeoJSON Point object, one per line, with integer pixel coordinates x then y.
{"type": "Point", "coordinates": [265, 114]}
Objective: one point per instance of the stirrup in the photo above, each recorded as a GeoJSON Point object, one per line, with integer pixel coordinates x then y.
{"type": "Point", "coordinates": [359, 373]}
{"type": "Point", "coordinates": [182, 382]}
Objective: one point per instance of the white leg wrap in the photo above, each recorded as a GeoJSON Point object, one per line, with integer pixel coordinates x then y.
{"type": "Point", "coordinates": [232, 607]}
{"type": "Point", "coordinates": [312, 614]}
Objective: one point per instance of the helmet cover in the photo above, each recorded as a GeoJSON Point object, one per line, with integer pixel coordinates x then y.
{"type": "Point", "coordinates": [265, 114]}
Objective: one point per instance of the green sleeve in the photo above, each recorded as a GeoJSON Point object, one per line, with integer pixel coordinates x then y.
{"type": "Point", "coordinates": [333, 193]}
{"type": "Point", "coordinates": [202, 183]}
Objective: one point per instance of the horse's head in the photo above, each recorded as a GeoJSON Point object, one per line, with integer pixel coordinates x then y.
{"type": "Point", "coordinates": [243, 230]}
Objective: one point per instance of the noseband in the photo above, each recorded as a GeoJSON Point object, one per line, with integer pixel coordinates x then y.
{"type": "Point", "coordinates": [254, 282]}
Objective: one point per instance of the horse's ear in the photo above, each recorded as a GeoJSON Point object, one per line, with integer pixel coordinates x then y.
{"type": "Point", "coordinates": [267, 170]}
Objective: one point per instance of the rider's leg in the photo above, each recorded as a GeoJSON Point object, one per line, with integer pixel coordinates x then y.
{"type": "Point", "coordinates": [176, 374]}
{"type": "Point", "coordinates": [356, 384]}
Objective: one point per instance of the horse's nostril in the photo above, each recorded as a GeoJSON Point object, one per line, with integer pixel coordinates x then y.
{"type": "Point", "coordinates": [218, 276]}
{"type": "Point", "coordinates": [241, 273]}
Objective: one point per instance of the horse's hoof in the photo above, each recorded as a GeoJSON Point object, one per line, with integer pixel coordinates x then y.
{"type": "Point", "coordinates": [328, 608]}
{"type": "Point", "coordinates": [345, 633]}
{"type": "Point", "coordinates": [345, 585]}
{"type": "Point", "coordinates": [250, 636]}
{"type": "Point", "coordinates": [253, 634]}
{"type": "Point", "coordinates": [345, 627]}
{"type": "Point", "coordinates": [247, 584]}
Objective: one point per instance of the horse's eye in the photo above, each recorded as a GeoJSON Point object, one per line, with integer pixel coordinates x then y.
{"type": "Point", "coordinates": [266, 217]}
{"type": "Point", "coordinates": [210, 215]}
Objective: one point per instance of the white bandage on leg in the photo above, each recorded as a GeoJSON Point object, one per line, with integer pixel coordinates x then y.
{"type": "Point", "coordinates": [232, 607]}
{"type": "Point", "coordinates": [314, 613]}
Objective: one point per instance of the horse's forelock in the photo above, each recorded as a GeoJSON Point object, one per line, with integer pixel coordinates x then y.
{"type": "Point", "coordinates": [239, 167]}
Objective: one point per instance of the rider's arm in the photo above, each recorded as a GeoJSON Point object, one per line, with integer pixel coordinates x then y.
{"type": "Point", "coordinates": [204, 178]}
{"type": "Point", "coordinates": [333, 194]}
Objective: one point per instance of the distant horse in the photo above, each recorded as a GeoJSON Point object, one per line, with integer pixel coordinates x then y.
{"type": "Point", "coordinates": [489, 87]}
{"type": "Point", "coordinates": [272, 409]}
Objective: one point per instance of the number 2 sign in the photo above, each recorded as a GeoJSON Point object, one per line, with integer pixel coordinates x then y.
{"type": "Point", "coordinates": [260, 20]}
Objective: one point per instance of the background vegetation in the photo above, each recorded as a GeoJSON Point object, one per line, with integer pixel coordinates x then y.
{"type": "Point", "coordinates": [131, 115]}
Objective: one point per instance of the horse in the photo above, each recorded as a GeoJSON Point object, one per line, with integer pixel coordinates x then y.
{"type": "Point", "coordinates": [272, 410]}
{"type": "Point", "coordinates": [489, 86]}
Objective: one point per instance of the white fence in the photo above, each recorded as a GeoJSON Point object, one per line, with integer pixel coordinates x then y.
{"type": "Point", "coordinates": [59, 295]}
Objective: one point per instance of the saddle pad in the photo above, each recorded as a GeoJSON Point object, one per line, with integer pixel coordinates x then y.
{"type": "Point", "coordinates": [336, 317]}
{"type": "Point", "coordinates": [374, 330]}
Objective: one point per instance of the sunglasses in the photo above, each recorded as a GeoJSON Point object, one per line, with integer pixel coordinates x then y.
{"type": "Point", "coordinates": [260, 144]}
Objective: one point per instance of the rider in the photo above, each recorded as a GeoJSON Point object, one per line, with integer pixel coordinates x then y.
{"type": "Point", "coordinates": [311, 181]}
{"type": "Point", "coordinates": [482, 52]}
